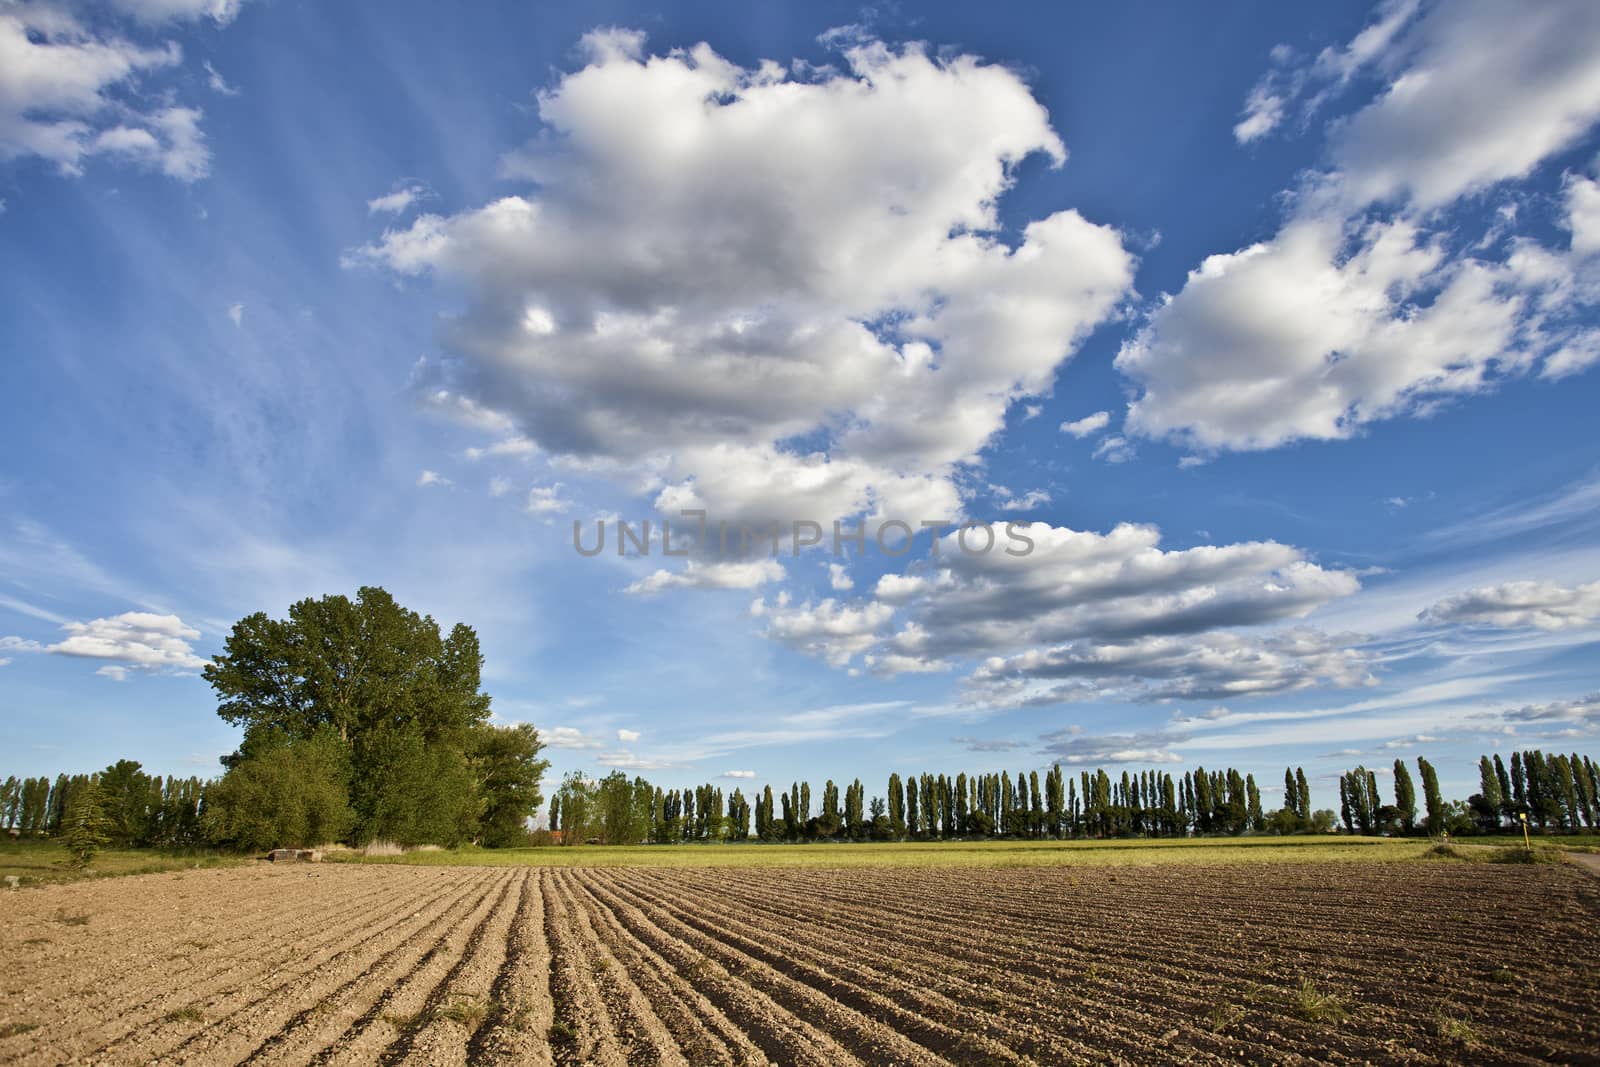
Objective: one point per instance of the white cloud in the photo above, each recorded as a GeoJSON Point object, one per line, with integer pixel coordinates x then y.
{"type": "Point", "coordinates": [1541, 605]}
{"type": "Point", "coordinates": [699, 315]}
{"type": "Point", "coordinates": [1583, 214]}
{"type": "Point", "coordinates": [546, 500]}
{"type": "Point", "coordinates": [1351, 315]}
{"type": "Point", "coordinates": [1089, 424]}
{"type": "Point", "coordinates": [628, 736]}
{"type": "Point", "coordinates": [830, 630]}
{"type": "Point", "coordinates": [839, 578]}
{"type": "Point", "coordinates": [137, 640]}
{"type": "Point", "coordinates": [428, 477]}
{"type": "Point", "coordinates": [1141, 614]}
{"type": "Point", "coordinates": [729, 574]}
{"type": "Point", "coordinates": [1263, 111]}
{"type": "Point", "coordinates": [1207, 666]}
{"type": "Point", "coordinates": [1488, 92]}
{"type": "Point", "coordinates": [236, 314]}
{"type": "Point", "coordinates": [499, 486]}
{"type": "Point", "coordinates": [738, 774]}
{"type": "Point", "coordinates": [397, 202]}
{"type": "Point", "coordinates": [67, 92]}
{"type": "Point", "coordinates": [567, 737]}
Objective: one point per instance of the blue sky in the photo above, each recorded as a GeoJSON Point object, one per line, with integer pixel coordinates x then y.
{"type": "Point", "coordinates": [1279, 324]}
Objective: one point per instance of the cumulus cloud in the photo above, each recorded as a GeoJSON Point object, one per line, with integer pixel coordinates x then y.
{"type": "Point", "coordinates": [1370, 303]}
{"type": "Point", "coordinates": [1088, 425]}
{"type": "Point", "coordinates": [738, 774]}
{"type": "Point", "coordinates": [236, 314]}
{"type": "Point", "coordinates": [831, 630]}
{"type": "Point", "coordinates": [1206, 666]}
{"type": "Point", "coordinates": [628, 736]}
{"type": "Point", "coordinates": [70, 90]}
{"type": "Point", "coordinates": [729, 574]}
{"type": "Point", "coordinates": [1121, 584]}
{"type": "Point", "coordinates": [839, 578]}
{"type": "Point", "coordinates": [428, 477]}
{"type": "Point", "coordinates": [1088, 615]}
{"type": "Point", "coordinates": [1541, 605]}
{"type": "Point", "coordinates": [136, 640]}
{"type": "Point", "coordinates": [821, 260]}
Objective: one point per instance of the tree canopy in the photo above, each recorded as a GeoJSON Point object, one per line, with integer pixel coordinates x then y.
{"type": "Point", "coordinates": [377, 707]}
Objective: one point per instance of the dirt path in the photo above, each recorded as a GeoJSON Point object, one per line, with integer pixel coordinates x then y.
{"type": "Point", "coordinates": [1586, 860]}
{"type": "Point", "coordinates": [1410, 963]}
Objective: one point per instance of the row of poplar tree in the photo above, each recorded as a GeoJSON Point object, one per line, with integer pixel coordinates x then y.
{"type": "Point", "coordinates": [138, 809]}
{"type": "Point", "coordinates": [1554, 792]}
{"type": "Point", "coordinates": [617, 810]}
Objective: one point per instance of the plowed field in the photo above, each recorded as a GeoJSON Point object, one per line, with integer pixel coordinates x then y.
{"type": "Point", "coordinates": [1416, 962]}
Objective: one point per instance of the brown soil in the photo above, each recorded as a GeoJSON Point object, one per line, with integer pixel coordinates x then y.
{"type": "Point", "coordinates": [1414, 963]}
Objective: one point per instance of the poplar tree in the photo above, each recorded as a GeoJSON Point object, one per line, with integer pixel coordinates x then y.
{"type": "Point", "coordinates": [963, 824]}
{"type": "Point", "coordinates": [1489, 788]}
{"type": "Point", "coordinates": [1519, 785]}
{"type": "Point", "coordinates": [897, 806]}
{"type": "Point", "coordinates": [1035, 805]}
{"type": "Point", "coordinates": [1508, 802]}
{"type": "Point", "coordinates": [1303, 788]}
{"type": "Point", "coordinates": [1405, 796]}
{"type": "Point", "coordinates": [1431, 798]}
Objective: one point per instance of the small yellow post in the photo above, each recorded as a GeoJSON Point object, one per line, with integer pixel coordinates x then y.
{"type": "Point", "coordinates": [1524, 817]}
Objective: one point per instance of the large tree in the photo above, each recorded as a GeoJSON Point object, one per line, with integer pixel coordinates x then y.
{"type": "Point", "coordinates": [398, 695]}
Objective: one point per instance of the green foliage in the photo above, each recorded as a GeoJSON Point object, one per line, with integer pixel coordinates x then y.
{"type": "Point", "coordinates": [86, 830]}
{"type": "Point", "coordinates": [508, 769]}
{"type": "Point", "coordinates": [1405, 796]}
{"type": "Point", "coordinates": [1432, 799]}
{"type": "Point", "coordinates": [282, 792]}
{"type": "Point", "coordinates": [392, 712]}
{"type": "Point", "coordinates": [386, 683]}
{"type": "Point", "coordinates": [409, 791]}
